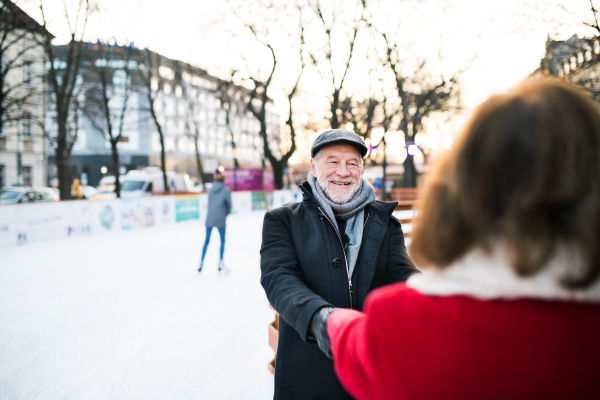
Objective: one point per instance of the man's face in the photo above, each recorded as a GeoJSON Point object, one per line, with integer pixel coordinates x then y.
{"type": "Point", "coordinates": [338, 171]}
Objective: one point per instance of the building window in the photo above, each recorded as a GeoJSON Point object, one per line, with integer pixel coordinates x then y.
{"type": "Point", "coordinates": [26, 124]}
{"type": "Point", "coordinates": [27, 73]}
{"type": "Point", "coordinates": [579, 58]}
{"type": "Point", "coordinates": [121, 81]}
{"type": "Point", "coordinates": [26, 175]}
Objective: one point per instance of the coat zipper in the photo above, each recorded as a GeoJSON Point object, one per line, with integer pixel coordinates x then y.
{"type": "Point", "coordinates": [344, 252]}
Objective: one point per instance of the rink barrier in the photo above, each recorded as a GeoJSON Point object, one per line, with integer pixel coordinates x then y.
{"type": "Point", "coordinates": [25, 223]}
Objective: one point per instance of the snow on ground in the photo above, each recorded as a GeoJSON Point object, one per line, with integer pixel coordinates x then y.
{"type": "Point", "coordinates": [126, 315]}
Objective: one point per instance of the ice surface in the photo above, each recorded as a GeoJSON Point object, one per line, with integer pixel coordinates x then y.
{"type": "Point", "coordinates": [127, 316]}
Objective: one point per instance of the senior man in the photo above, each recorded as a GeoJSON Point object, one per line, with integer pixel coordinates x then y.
{"type": "Point", "coordinates": [327, 251]}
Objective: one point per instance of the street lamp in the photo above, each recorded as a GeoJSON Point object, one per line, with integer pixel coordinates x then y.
{"type": "Point", "coordinates": [411, 149]}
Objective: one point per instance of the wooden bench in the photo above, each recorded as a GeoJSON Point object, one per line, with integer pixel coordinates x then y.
{"type": "Point", "coordinates": [405, 211]}
{"type": "Point", "coordinates": [273, 338]}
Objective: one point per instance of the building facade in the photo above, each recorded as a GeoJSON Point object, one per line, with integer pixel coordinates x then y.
{"type": "Point", "coordinates": [576, 60]}
{"type": "Point", "coordinates": [188, 103]}
{"type": "Point", "coordinates": [23, 146]}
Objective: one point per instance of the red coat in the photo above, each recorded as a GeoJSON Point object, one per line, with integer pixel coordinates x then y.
{"type": "Point", "coordinates": [408, 345]}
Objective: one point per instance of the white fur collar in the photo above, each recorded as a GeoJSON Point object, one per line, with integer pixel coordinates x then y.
{"type": "Point", "coordinates": [490, 276]}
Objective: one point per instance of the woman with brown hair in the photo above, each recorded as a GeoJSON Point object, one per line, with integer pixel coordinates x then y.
{"type": "Point", "coordinates": [508, 239]}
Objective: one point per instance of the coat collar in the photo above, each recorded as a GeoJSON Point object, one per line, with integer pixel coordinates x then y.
{"type": "Point", "coordinates": [490, 277]}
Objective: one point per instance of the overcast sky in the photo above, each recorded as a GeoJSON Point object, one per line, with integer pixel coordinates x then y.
{"type": "Point", "coordinates": [508, 36]}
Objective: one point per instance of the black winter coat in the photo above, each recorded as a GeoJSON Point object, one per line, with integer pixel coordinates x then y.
{"type": "Point", "coordinates": [302, 270]}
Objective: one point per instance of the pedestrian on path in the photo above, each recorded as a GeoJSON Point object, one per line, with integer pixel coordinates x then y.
{"type": "Point", "coordinates": [329, 250]}
{"type": "Point", "coordinates": [219, 206]}
{"type": "Point", "coordinates": [508, 304]}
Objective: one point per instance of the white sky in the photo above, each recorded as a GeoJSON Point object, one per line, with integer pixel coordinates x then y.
{"type": "Point", "coordinates": [508, 36]}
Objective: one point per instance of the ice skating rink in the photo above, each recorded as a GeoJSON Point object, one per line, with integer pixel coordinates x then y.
{"type": "Point", "coordinates": [126, 315]}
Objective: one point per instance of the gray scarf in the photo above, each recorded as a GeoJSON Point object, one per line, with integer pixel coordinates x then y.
{"type": "Point", "coordinates": [353, 212]}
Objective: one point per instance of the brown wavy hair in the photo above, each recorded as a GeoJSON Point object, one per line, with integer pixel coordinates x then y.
{"type": "Point", "coordinates": [526, 173]}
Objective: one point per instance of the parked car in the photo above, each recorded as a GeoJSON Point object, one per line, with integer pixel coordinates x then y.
{"type": "Point", "coordinates": [20, 194]}
{"type": "Point", "coordinates": [110, 180]}
{"type": "Point", "coordinates": [105, 192]}
{"type": "Point", "coordinates": [144, 183]}
{"type": "Point", "coordinates": [87, 192]}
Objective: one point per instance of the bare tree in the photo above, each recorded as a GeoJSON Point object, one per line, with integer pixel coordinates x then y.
{"type": "Point", "coordinates": [193, 123]}
{"type": "Point", "coordinates": [385, 111]}
{"type": "Point", "coordinates": [259, 99]}
{"type": "Point", "coordinates": [259, 20]}
{"type": "Point", "coordinates": [326, 62]}
{"type": "Point", "coordinates": [150, 63]}
{"type": "Point", "coordinates": [107, 101]}
{"type": "Point", "coordinates": [63, 75]}
{"type": "Point", "coordinates": [22, 67]}
{"type": "Point", "coordinates": [226, 96]}
{"type": "Point", "coordinates": [19, 40]}
{"type": "Point", "coordinates": [421, 93]}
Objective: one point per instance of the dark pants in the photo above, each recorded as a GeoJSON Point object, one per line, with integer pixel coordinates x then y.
{"type": "Point", "coordinates": [208, 232]}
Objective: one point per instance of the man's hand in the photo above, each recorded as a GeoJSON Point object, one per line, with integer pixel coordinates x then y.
{"type": "Point", "coordinates": [318, 329]}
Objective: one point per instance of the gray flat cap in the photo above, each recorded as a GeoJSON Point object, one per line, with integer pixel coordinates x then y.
{"type": "Point", "coordinates": [338, 136]}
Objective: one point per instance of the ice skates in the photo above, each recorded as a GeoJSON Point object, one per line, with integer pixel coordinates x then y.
{"type": "Point", "coordinates": [223, 269]}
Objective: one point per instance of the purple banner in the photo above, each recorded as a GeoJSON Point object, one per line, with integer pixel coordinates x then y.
{"type": "Point", "coordinates": [249, 179]}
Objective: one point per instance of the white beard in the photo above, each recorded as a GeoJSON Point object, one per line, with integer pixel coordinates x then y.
{"type": "Point", "coordinates": [338, 197]}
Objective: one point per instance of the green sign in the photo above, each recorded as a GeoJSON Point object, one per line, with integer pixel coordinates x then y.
{"type": "Point", "coordinates": [261, 200]}
{"type": "Point", "coordinates": [187, 207]}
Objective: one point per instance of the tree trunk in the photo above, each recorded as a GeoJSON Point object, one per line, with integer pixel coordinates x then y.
{"type": "Point", "coordinates": [236, 165]}
{"type": "Point", "coordinates": [163, 159]}
{"type": "Point", "coordinates": [410, 172]}
{"type": "Point", "coordinates": [278, 167]}
{"type": "Point", "coordinates": [384, 167]}
{"type": "Point", "coordinates": [63, 162]}
{"type": "Point", "coordinates": [116, 166]}
{"type": "Point", "coordinates": [199, 161]}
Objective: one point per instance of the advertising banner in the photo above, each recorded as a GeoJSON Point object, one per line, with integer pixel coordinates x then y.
{"type": "Point", "coordinates": [164, 209]}
{"type": "Point", "coordinates": [241, 202]}
{"type": "Point", "coordinates": [268, 180]}
{"type": "Point", "coordinates": [107, 215]}
{"type": "Point", "coordinates": [283, 197]}
{"type": "Point", "coordinates": [249, 179]}
{"type": "Point", "coordinates": [261, 200]}
{"type": "Point", "coordinates": [41, 221]}
{"type": "Point", "coordinates": [187, 207]}
{"type": "Point", "coordinates": [136, 213]}
{"type": "Point", "coordinates": [7, 225]}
